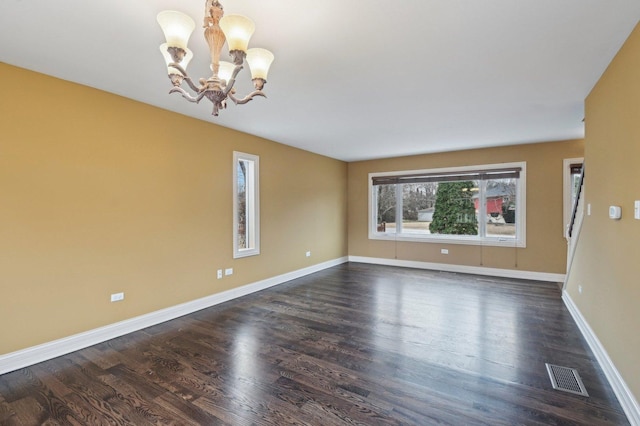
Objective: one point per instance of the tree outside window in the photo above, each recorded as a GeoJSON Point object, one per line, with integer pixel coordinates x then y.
{"type": "Point", "coordinates": [454, 210]}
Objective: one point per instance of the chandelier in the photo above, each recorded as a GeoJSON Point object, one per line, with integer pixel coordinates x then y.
{"type": "Point", "coordinates": [236, 30]}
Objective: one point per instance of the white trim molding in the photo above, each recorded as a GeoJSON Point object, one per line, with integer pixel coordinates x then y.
{"type": "Point", "coordinates": [35, 354]}
{"type": "Point", "coordinates": [625, 396]}
{"type": "Point", "coordinates": [463, 269]}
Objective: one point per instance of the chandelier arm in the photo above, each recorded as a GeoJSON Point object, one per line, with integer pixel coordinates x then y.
{"type": "Point", "coordinates": [185, 76]}
{"type": "Point", "coordinates": [232, 80]}
{"type": "Point", "coordinates": [186, 94]}
{"type": "Point", "coordinates": [179, 68]}
{"type": "Point", "coordinates": [190, 83]}
{"type": "Point", "coordinates": [246, 98]}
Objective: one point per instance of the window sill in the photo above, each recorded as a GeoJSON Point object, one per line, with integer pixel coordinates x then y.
{"type": "Point", "coordinates": [245, 253]}
{"type": "Point", "coordinates": [449, 239]}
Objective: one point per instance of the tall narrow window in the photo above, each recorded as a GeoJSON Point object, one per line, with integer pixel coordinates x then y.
{"type": "Point", "coordinates": [246, 205]}
{"type": "Point", "coordinates": [572, 168]}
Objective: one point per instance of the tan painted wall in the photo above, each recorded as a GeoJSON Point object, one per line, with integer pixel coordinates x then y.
{"type": "Point", "coordinates": [101, 194]}
{"type": "Point", "coordinates": [546, 247]}
{"type": "Point", "coordinates": [606, 264]}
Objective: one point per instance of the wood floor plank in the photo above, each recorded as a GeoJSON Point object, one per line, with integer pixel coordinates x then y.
{"type": "Point", "coordinates": [354, 344]}
{"type": "Point", "coordinates": [7, 414]}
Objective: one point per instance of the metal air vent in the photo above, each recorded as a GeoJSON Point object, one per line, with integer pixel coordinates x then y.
{"type": "Point", "coordinates": [566, 379]}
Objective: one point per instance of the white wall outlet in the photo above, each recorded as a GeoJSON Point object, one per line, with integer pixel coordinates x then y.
{"type": "Point", "coordinates": [116, 297]}
{"type": "Point", "coordinates": [308, 254]}
{"type": "Point", "coordinates": [228, 271]}
{"type": "Point", "coordinates": [636, 209]}
{"type": "Point", "coordinates": [589, 209]}
{"type": "Point", "coordinates": [219, 273]}
{"type": "Point", "coordinates": [580, 289]}
{"type": "Point", "coordinates": [444, 251]}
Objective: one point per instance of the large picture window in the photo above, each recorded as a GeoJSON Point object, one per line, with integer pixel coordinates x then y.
{"type": "Point", "coordinates": [246, 205]}
{"type": "Point", "coordinates": [470, 205]}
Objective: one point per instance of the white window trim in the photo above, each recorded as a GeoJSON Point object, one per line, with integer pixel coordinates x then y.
{"type": "Point", "coordinates": [253, 205]}
{"type": "Point", "coordinates": [521, 197]}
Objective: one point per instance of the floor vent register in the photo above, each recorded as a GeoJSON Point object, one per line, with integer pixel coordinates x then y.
{"type": "Point", "coordinates": [566, 379]}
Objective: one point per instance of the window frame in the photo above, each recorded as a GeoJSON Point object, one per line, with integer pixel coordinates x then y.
{"type": "Point", "coordinates": [567, 191]}
{"type": "Point", "coordinates": [252, 227]}
{"type": "Point", "coordinates": [518, 241]}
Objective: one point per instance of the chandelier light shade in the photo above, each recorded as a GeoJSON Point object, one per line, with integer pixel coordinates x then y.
{"type": "Point", "coordinates": [259, 61]}
{"type": "Point", "coordinates": [177, 27]}
{"type": "Point", "coordinates": [226, 70]}
{"type": "Point", "coordinates": [236, 31]}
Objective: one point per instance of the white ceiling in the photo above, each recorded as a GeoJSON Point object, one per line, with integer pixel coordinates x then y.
{"type": "Point", "coordinates": [356, 79]}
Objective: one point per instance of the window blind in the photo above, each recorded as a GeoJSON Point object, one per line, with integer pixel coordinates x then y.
{"type": "Point", "coordinates": [508, 173]}
{"type": "Point", "coordinates": [576, 169]}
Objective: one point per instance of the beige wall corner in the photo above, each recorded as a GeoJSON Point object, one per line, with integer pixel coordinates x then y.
{"type": "Point", "coordinates": [606, 265]}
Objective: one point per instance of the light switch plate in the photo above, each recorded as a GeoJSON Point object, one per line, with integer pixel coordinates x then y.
{"type": "Point", "coordinates": [615, 212]}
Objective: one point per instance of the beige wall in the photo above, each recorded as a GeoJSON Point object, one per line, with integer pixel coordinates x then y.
{"type": "Point", "coordinates": [606, 264]}
{"type": "Point", "coordinates": [546, 247]}
{"type": "Point", "coordinates": [101, 194]}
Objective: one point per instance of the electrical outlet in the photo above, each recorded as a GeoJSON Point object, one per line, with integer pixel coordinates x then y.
{"type": "Point", "coordinates": [308, 254]}
{"type": "Point", "coordinates": [589, 209]}
{"type": "Point", "coordinates": [444, 251]}
{"type": "Point", "coordinates": [228, 271]}
{"type": "Point", "coordinates": [116, 297]}
{"type": "Point", "coordinates": [219, 273]}
{"type": "Point", "coordinates": [580, 289]}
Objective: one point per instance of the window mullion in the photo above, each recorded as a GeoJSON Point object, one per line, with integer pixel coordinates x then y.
{"type": "Point", "coordinates": [482, 209]}
{"type": "Point", "coordinates": [399, 208]}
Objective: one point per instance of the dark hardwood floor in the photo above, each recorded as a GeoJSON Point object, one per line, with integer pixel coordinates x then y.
{"type": "Point", "coordinates": [354, 344]}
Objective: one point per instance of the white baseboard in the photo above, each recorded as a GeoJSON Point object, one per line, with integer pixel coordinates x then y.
{"type": "Point", "coordinates": [625, 396]}
{"type": "Point", "coordinates": [477, 270]}
{"type": "Point", "coordinates": [35, 354]}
